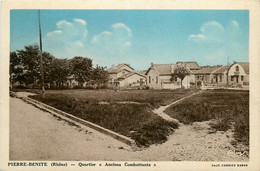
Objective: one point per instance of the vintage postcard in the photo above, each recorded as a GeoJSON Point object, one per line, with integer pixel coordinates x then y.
{"type": "Point", "coordinates": [120, 85]}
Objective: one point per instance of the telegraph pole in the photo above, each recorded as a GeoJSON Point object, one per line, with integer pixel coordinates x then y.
{"type": "Point", "coordinates": [227, 72]}
{"type": "Point", "coordinates": [41, 63]}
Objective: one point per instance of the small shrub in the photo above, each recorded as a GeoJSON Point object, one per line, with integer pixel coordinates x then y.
{"type": "Point", "coordinates": [221, 124]}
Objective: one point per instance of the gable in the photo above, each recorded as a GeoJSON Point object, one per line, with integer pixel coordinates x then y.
{"type": "Point", "coordinates": [233, 69]}
{"type": "Point", "coordinates": [119, 68]}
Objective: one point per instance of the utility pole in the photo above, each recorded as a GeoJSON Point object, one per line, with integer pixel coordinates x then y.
{"type": "Point", "coordinates": [227, 72]}
{"type": "Point", "coordinates": [41, 63]}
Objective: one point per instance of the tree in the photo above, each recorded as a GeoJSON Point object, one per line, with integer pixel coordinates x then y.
{"type": "Point", "coordinates": [47, 59]}
{"type": "Point", "coordinates": [99, 76]}
{"type": "Point", "coordinates": [30, 60]}
{"type": "Point", "coordinates": [81, 68]}
{"type": "Point", "coordinates": [15, 69]}
{"type": "Point", "coordinates": [59, 69]}
{"type": "Point", "coordinates": [25, 64]}
{"type": "Point", "coordinates": [180, 72]}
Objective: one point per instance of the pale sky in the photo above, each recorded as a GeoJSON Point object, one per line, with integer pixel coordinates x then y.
{"type": "Point", "coordinates": [136, 37]}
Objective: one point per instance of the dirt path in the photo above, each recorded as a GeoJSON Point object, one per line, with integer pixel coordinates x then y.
{"type": "Point", "coordinates": [197, 142]}
{"type": "Point", "coordinates": [160, 111]}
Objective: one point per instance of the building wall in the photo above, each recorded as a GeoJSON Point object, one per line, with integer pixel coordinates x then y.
{"type": "Point", "coordinates": [123, 70]}
{"type": "Point", "coordinates": [153, 79]}
{"type": "Point", "coordinates": [237, 77]}
{"type": "Point", "coordinates": [132, 81]}
{"type": "Point", "coordinates": [205, 78]}
{"type": "Point", "coordinates": [112, 77]}
{"type": "Point", "coordinates": [164, 81]}
{"type": "Point", "coordinates": [122, 73]}
{"type": "Point", "coordinates": [171, 85]}
{"type": "Point", "coordinates": [220, 79]}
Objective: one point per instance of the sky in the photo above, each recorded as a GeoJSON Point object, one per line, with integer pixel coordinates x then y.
{"type": "Point", "coordinates": [136, 37]}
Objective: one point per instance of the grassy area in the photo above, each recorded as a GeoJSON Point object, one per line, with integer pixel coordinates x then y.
{"type": "Point", "coordinates": [153, 97]}
{"type": "Point", "coordinates": [227, 107]}
{"type": "Point", "coordinates": [133, 120]}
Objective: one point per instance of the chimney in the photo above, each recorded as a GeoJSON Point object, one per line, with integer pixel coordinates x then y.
{"type": "Point", "coordinates": [151, 64]}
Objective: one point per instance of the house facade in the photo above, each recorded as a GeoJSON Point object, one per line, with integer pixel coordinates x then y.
{"type": "Point", "coordinates": [205, 76]}
{"type": "Point", "coordinates": [159, 76]}
{"type": "Point", "coordinates": [235, 75]}
{"type": "Point", "coordinates": [131, 80]}
{"type": "Point", "coordinates": [220, 76]}
{"type": "Point", "coordinates": [122, 75]}
{"type": "Point", "coordinates": [238, 74]}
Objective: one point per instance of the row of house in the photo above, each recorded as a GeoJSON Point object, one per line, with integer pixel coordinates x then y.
{"type": "Point", "coordinates": [159, 76]}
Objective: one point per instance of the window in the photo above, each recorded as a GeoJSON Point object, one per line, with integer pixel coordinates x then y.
{"type": "Point", "coordinates": [220, 78]}
{"type": "Point", "coordinates": [175, 78]}
{"type": "Point", "coordinates": [149, 79]}
{"type": "Point", "coordinates": [156, 79]}
{"type": "Point", "coordinates": [237, 68]}
{"type": "Point", "coordinates": [242, 78]}
{"type": "Point", "coordinates": [232, 78]}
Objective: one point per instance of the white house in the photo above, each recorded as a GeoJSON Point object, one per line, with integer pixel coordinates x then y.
{"type": "Point", "coordinates": [238, 74]}
{"type": "Point", "coordinates": [159, 77]}
{"type": "Point", "coordinates": [122, 75]}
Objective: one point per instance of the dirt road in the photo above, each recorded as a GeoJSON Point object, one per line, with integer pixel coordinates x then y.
{"type": "Point", "coordinates": [37, 135]}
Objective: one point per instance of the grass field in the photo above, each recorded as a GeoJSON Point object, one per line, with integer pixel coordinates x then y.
{"type": "Point", "coordinates": [153, 97]}
{"type": "Point", "coordinates": [133, 120]}
{"type": "Point", "coordinates": [227, 107]}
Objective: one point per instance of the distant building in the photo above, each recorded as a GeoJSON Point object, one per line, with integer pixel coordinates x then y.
{"type": "Point", "coordinates": [192, 65]}
{"type": "Point", "coordinates": [159, 76]}
{"type": "Point", "coordinates": [71, 81]}
{"type": "Point", "coordinates": [220, 76]}
{"type": "Point", "coordinates": [238, 74]}
{"type": "Point", "coordinates": [205, 75]}
{"type": "Point", "coordinates": [122, 75]}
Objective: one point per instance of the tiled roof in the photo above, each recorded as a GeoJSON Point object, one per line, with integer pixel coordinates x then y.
{"type": "Point", "coordinates": [190, 64]}
{"type": "Point", "coordinates": [164, 69]}
{"type": "Point", "coordinates": [129, 75]}
{"type": "Point", "coordinates": [142, 72]}
{"type": "Point", "coordinates": [207, 70]}
{"type": "Point", "coordinates": [117, 69]}
{"type": "Point", "coordinates": [221, 70]}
